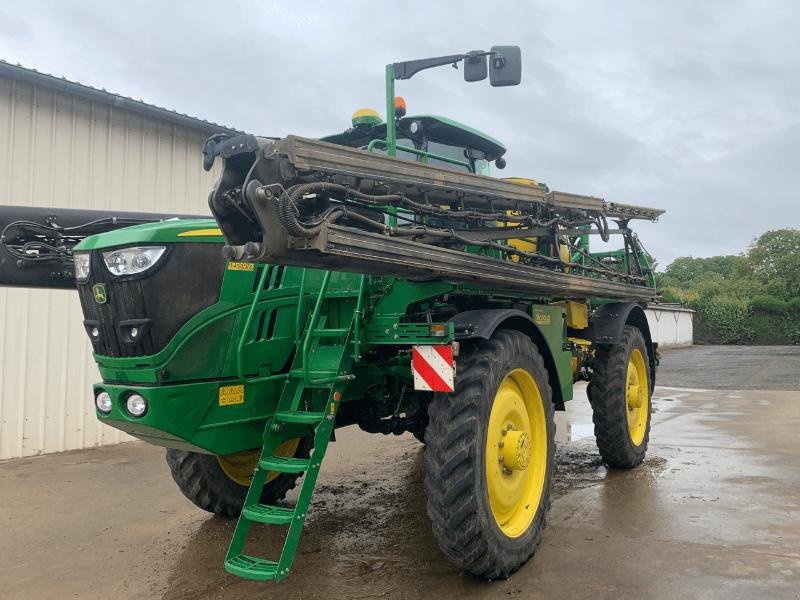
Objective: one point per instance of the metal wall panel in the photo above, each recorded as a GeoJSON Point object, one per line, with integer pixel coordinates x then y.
{"type": "Point", "coordinates": [61, 150]}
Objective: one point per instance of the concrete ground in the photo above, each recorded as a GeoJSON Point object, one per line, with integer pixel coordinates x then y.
{"type": "Point", "coordinates": [714, 512]}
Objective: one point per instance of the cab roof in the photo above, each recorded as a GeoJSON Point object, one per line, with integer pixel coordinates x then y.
{"type": "Point", "coordinates": [436, 128]}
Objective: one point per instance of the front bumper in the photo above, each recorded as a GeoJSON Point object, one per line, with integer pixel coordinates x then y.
{"type": "Point", "coordinates": [219, 417]}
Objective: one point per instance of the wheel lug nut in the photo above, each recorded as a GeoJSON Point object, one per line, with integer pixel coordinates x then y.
{"type": "Point", "coordinates": [500, 459]}
{"type": "Point", "coordinates": [500, 444]}
{"type": "Point", "coordinates": [506, 471]}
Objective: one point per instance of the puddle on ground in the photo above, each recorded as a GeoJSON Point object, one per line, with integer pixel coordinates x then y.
{"type": "Point", "coordinates": [572, 432]}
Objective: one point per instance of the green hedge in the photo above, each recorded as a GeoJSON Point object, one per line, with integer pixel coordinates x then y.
{"type": "Point", "coordinates": [763, 320]}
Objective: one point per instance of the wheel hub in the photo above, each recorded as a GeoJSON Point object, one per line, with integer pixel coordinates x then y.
{"type": "Point", "coordinates": [516, 450]}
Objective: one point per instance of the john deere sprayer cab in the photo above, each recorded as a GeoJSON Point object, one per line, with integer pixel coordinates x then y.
{"type": "Point", "coordinates": [376, 277]}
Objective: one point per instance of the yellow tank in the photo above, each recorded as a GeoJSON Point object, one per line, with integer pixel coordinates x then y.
{"type": "Point", "coordinates": [530, 244]}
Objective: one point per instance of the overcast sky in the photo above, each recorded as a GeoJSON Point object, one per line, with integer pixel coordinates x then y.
{"type": "Point", "coordinates": [693, 107]}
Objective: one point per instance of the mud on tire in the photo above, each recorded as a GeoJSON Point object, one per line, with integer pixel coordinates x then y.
{"type": "Point", "coordinates": [455, 459]}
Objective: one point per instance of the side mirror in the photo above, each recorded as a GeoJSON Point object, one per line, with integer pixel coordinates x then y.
{"type": "Point", "coordinates": [506, 66]}
{"type": "Point", "coordinates": [475, 68]}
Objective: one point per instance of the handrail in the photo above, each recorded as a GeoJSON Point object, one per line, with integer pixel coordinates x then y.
{"type": "Point", "coordinates": [313, 322]}
{"type": "Point", "coordinates": [246, 329]}
{"type": "Point", "coordinates": [301, 302]}
{"type": "Point", "coordinates": [371, 146]}
{"type": "Point", "coordinates": [357, 318]}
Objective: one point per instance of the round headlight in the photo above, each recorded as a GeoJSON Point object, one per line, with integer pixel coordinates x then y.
{"type": "Point", "coordinates": [81, 261]}
{"type": "Point", "coordinates": [136, 405]}
{"type": "Point", "coordinates": [103, 402]}
{"type": "Point", "coordinates": [118, 263]}
{"type": "Point", "coordinates": [141, 261]}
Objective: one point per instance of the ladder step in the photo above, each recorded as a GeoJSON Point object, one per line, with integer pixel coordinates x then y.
{"type": "Point", "coordinates": [332, 333]}
{"type": "Point", "coordinates": [300, 416]}
{"type": "Point", "coordinates": [319, 379]}
{"type": "Point", "coordinates": [283, 464]}
{"type": "Point", "coordinates": [271, 515]}
{"type": "Point", "coordinates": [251, 567]}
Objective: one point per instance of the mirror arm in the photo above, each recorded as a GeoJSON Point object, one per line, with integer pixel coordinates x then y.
{"type": "Point", "coordinates": [409, 68]}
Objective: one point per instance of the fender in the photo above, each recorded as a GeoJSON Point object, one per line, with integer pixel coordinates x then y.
{"type": "Point", "coordinates": [481, 324]}
{"type": "Point", "coordinates": [607, 322]}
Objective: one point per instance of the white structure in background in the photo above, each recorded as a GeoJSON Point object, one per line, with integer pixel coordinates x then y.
{"type": "Point", "coordinates": [67, 145]}
{"type": "Point", "coordinates": [670, 325]}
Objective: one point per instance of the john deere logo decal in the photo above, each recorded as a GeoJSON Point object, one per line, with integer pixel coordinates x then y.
{"type": "Point", "coordinates": [99, 291]}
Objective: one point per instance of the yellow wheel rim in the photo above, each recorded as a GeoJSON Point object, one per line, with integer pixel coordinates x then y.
{"type": "Point", "coordinates": [516, 453]}
{"type": "Point", "coordinates": [239, 467]}
{"type": "Point", "coordinates": [637, 399]}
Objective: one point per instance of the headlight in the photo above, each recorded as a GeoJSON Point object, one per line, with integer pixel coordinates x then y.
{"type": "Point", "coordinates": [103, 402]}
{"type": "Point", "coordinates": [136, 405]}
{"type": "Point", "coordinates": [130, 261]}
{"type": "Point", "coordinates": [81, 262]}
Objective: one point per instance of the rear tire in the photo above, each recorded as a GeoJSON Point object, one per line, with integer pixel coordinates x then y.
{"type": "Point", "coordinates": [202, 480]}
{"type": "Point", "coordinates": [620, 400]}
{"type": "Point", "coordinates": [480, 522]}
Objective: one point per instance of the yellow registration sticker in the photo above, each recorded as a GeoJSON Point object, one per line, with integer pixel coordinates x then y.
{"type": "Point", "coordinates": [241, 266]}
{"type": "Point", "coordinates": [231, 394]}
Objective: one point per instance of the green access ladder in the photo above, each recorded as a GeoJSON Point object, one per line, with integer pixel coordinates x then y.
{"type": "Point", "coordinates": [309, 401]}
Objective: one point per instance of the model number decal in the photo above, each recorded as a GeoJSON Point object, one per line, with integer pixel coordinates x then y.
{"type": "Point", "coordinates": [241, 266]}
{"type": "Point", "coordinates": [231, 394]}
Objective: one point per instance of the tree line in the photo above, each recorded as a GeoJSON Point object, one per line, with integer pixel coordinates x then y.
{"type": "Point", "coordinates": [750, 298]}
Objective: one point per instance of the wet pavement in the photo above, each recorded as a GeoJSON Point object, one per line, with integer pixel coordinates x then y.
{"type": "Point", "coordinates": [732, 367]}
{"type": "Point", "coordinates": [714, 512]}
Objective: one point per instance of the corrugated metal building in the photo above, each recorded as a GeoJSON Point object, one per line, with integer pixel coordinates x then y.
{"type": "Point", "coordinates": [67, 145]}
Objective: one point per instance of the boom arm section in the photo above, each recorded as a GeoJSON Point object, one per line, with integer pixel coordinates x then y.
{"type": "Point", "coordinates": [303, 202]}
{"type": "Point", "coordinates": [36, 242]}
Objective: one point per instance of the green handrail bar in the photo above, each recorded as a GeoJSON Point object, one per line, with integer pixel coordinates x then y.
{"type": "Point", "coordinates": [357, 318]}
{"type": "Point", "coordinates": [371, 146]}
{"type": "Point", "coordinates": [312, 323]}
{"type": "Point", "coordinates": [300, 304]}
{"type": "Point", "coordinates": [243, 337]}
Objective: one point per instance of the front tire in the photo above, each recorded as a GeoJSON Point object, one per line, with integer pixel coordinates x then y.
{"type": "Point", "coordinates": [490, 455]}
{"type": "Point", "coordinates": [620, 393]}
{"type": "Point", "coordinates": [219, 484]}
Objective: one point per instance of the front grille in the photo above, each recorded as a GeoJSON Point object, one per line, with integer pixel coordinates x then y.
{"type": "Point", "coordinates": [186, 280]}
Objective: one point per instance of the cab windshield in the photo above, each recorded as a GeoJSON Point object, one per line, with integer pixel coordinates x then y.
{"type": "Point", "coordinates": [472, 157]}
{"type": "Point", "coordinates": [467, 156]}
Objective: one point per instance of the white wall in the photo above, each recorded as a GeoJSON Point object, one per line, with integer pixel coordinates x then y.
{"type": "Point", "coordinates": [670, 326]}
{"type": "Point", "coordinates": [63, 151]}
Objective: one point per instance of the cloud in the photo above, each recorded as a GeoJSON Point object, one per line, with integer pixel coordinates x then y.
{"type": "Point", "coordinates": [693, 107]}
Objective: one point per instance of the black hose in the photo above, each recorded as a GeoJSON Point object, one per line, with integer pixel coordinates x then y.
{"type": "Point", "coordinates": [288, 215]}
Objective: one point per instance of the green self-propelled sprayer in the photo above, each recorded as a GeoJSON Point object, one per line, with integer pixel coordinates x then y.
{"type": "Point", "coordinates": [377, 277]}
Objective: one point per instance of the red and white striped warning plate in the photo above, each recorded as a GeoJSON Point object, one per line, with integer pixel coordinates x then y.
{"type": "Point", "coordinates": [433, 368]}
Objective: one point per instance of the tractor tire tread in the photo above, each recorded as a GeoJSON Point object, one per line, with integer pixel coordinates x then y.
{"type": "Point", "coordinates": [606, 392]}
{"type": "Point", "coordinates": [200, 478]}
{"type": "Point", "coordinates": [454, 471]}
